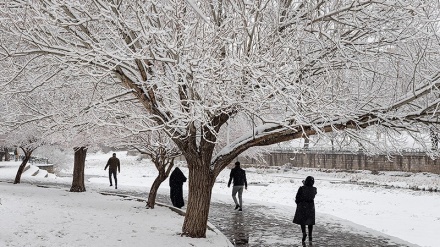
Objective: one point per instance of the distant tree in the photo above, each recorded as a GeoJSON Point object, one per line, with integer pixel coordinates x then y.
{"type": "Point", "coordinates": [27, 138]}
{"type": "Point", "coordinates": [291, 68]}
{"type": "Point", "coordinates": [27, 155]}
{"type": "Point", "coordinates": [41, 112]}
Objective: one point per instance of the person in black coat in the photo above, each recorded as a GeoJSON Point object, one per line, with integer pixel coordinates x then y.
{"type": "Point", "coordinates": [305, 207]}
{"type": "Point", "coordinates": [113, 164]}
{"type": "Point", "coordinates": [238, 175]}
{"type": "Point", "coordinates": [176, 191]}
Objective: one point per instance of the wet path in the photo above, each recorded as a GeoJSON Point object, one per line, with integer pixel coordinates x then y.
{"type": "Point", "coordinates": [264, 226]}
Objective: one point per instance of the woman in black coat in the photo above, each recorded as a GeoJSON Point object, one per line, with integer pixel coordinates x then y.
{"type": "Point", "coordinates": [176, 191]}
{"type": "Point", "coordinates": [305, 207]}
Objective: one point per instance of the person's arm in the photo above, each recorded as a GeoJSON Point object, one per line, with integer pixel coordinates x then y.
{"type": "Point", "coordinates": [245, 180]}
{"type": "Point", "coordinates": [119, 166]}
{"type": "Point", "coordinates": [298, 195]}
{"type": "Point", "coordinates": [181, 177]}
{"type": "Point", "coordinates": [105, 168]}
{"type": "Point", "coordinates": [230, 178]}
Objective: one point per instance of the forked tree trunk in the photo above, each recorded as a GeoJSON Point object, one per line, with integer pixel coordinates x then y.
{"type": "Point", "coordinates": [154, 188]}
{"type": "Point", "coordinates": [78, 170]}
{"type": "Point", "coordinates": [164, 172]}
{"type": "Point", "coordinates": [27, 156]}
{"type": "Point", "coordinates": [199, 199]}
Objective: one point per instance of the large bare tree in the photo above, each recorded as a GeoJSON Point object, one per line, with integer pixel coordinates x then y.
{"type": "Point", "coordinates": [292, 69]}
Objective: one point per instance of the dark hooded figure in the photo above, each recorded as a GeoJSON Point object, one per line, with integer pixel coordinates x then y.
{"type": "Point", "coordinates": [305, 207]}
{"type": "Point", "coordinates": [176, 183]}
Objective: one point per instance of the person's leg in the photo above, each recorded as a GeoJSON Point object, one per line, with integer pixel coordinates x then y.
{"type": "Point", "coordinates": [240, 196]}
{"type": "Point", "coordinates": [234, 193]}
{"type": "Point", "coordinates": [310, 232]}
{"type": "Point", "coordinates": [173, 195]}
{"type": "Point", "coordinates": [116, 179]}
{"type": "Point", "coordinates": [110, 177]}
{"type": "Point", "coordinates": [303, 230]}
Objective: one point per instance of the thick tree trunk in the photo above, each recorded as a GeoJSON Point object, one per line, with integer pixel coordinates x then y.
{"type": "Point", "coordinates": [78, 170]}
{"type": "Point", "coordinates": [199, 199]}
{"type": "Point", "coordinates": [27, 156]}
{"type": "Point", "coordinates": [154, 188]}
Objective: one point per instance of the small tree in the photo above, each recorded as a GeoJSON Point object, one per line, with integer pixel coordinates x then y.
{"type": "Point", "coordinates": [27, 155]}
{"type": "Point", "coordinates": [162, 152]}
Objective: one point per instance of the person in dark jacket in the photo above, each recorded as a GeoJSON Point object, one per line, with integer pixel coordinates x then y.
{"type": "Point", "coordinates": [305, 207]}
{"type": "Point", "coordinates": [176, 191]}
{"type": "Point", "coordinates": [113, 164]}
{"type": "Point", "coordinates": [239, 176]}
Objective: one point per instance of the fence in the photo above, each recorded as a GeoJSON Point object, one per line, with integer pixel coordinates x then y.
{"type": "Point", "coordinates": [408, 161]}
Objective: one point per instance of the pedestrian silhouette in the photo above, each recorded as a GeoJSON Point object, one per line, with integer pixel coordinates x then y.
{"type": "Point", "coordinates": [238, 175]}
{"type": "Point", "coordinates": [176, 187]}
{"type": "Point", "coordinates": [305, 207]}
{"type": "Point", "coordinates": [113, 164]}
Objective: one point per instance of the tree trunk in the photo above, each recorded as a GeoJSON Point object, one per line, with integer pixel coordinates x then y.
{"type": "Point", "coordinates": [434, 140]}
{"type": "Point", "coordinates": [27, 156]}
{"type": "Point", "coordinates": [154, 188]}
{"type": "Point", "coordinates": [199, 199]}
{"type": "Point", "coordinates": [7, 156]}
{"type": "Point", "coordinates": [306, 142]}
{"type": "Point", "coordinates": [78, 170]}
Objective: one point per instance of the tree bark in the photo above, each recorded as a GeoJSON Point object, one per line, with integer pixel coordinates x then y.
{"type": "Point", "coordinates": [27, 156]}
{"type": "Point", "coordinates": [78, 170]}
{"type": "Point", "coordinates": [154, 188]}
{"type": "Point", "coordinates": [199, 199]}
{"type": "Point", "coordinates": [164, 172]}
{"type": "Point", "coordinates": [7, 156]}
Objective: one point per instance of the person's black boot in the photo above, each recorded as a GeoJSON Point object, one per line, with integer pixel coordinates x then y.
{"type": "Point", "coordinates": [236, 207]}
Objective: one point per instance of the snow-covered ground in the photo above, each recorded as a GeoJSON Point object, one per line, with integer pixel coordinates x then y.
{"type": "Point", "coordinates": [384, 202]}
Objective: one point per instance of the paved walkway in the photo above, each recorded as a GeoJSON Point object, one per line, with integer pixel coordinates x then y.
{"type": "Point", "coordinates": [264, 226]}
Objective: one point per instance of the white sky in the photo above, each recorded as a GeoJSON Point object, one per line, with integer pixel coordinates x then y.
{"type": "Point", "coordinates": [34, 216]}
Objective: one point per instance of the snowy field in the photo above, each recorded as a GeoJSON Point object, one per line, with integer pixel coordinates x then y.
{"type": "Point", "coordinates": [33, 216]}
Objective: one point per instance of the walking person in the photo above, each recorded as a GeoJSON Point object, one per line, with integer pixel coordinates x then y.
{"type": "Point", "coordinates": [305, 207]}
{"type": "Point", "coordinates": [238, 175]}
{"type": "Point", "coordinates": [177, 178]}
{"type": "Point", "coordinates": [113, 164]}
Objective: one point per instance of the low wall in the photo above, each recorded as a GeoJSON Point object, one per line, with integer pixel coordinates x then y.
{"type": "Point", "coordinates": [48, 167]}
{"type": "Point", "coordinates": [412, 162]}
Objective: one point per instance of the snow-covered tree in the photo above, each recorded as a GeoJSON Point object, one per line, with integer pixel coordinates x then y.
{"type": "Point", "coordinates": [293, 69]}
{"type": "Point", "coordinates": [162, 153]}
